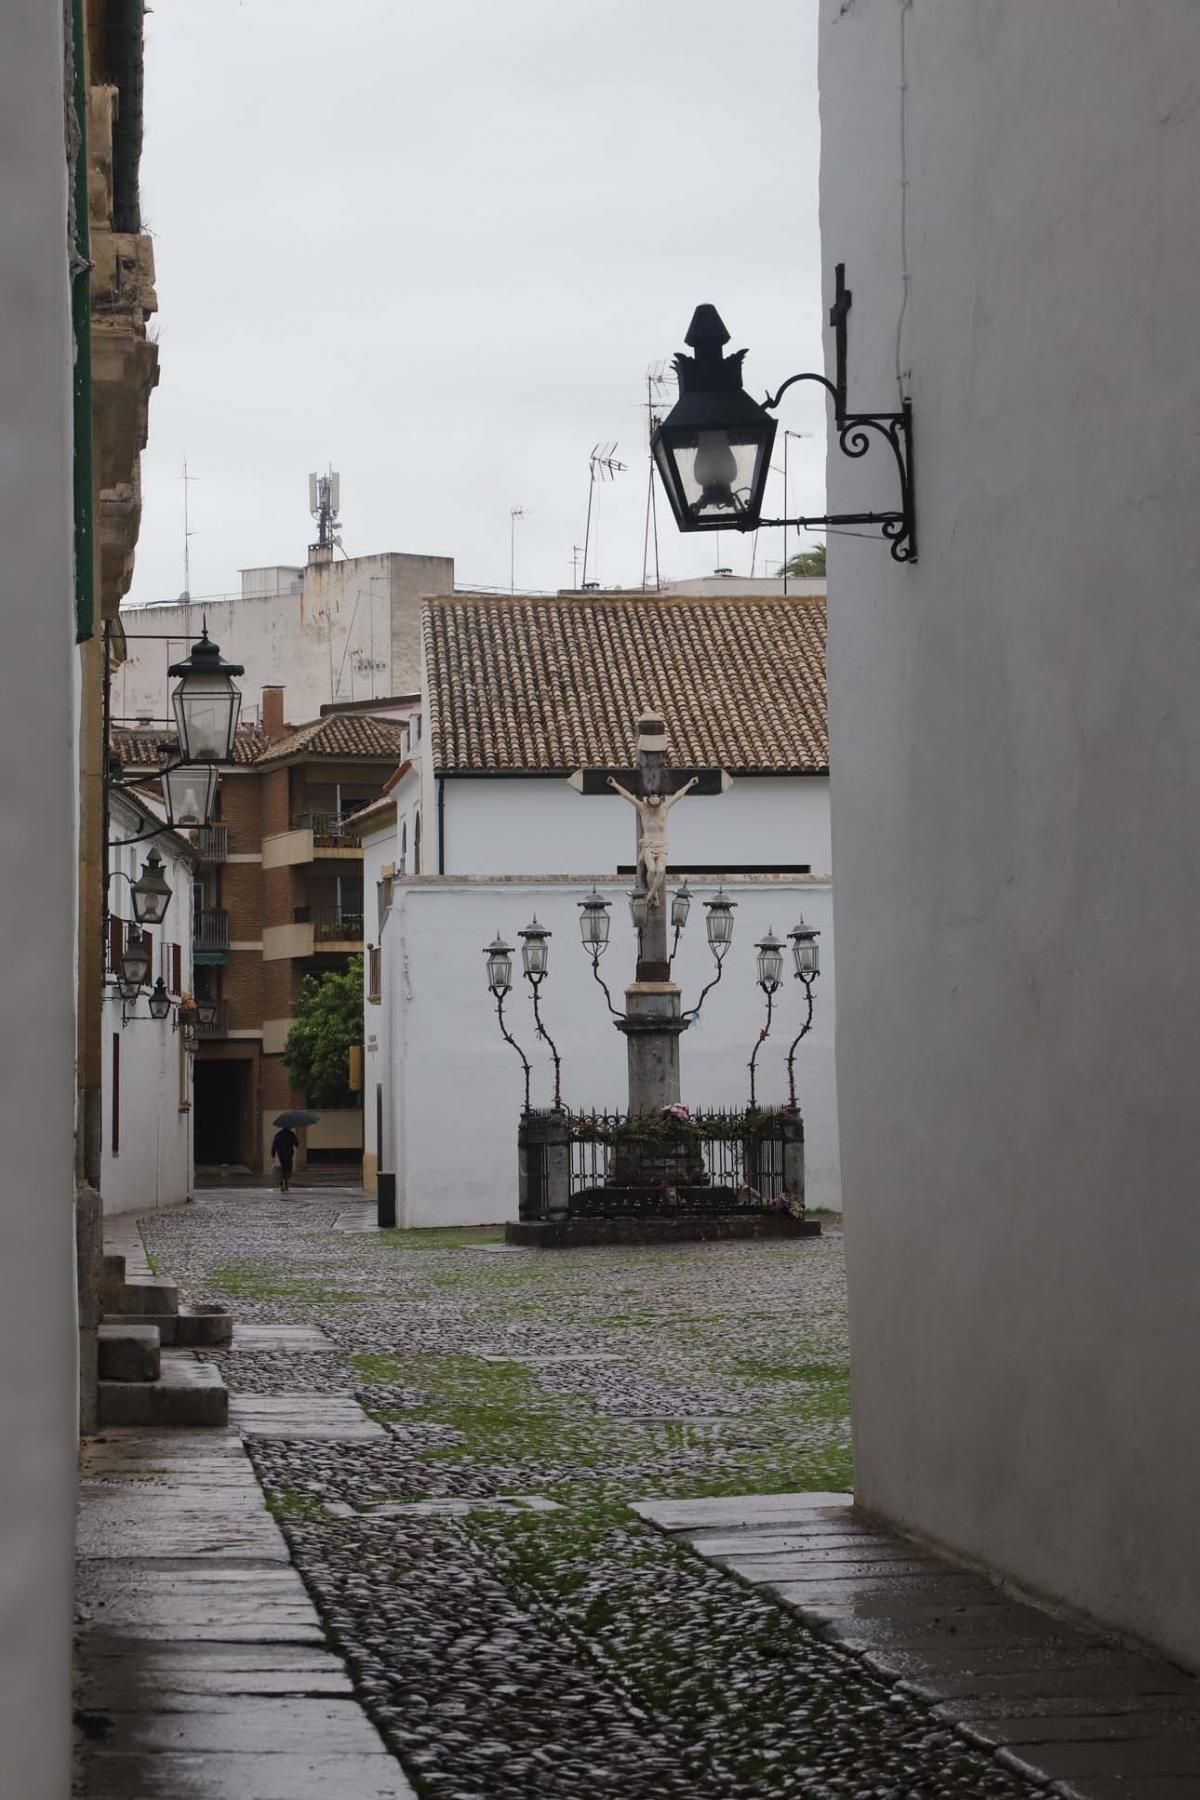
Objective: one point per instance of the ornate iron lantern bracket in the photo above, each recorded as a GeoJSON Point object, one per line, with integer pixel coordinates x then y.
{"type": "Point", "coordinates": [854, 431]}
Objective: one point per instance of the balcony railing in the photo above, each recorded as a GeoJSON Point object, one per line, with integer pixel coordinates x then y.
{"type": "Point", "coordinates": [220, 1025]}
{"type": "Point", "coordinates": [331, 923]}
{"type": "Point", "coordinates": [212, 842]}
{"type": "Point", "coordinates": [331, 831]}
{"type": "Point", "coordinates": [210, 930]}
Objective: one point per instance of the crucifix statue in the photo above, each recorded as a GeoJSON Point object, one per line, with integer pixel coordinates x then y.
{"type": "Point", "coordinates": [652, 810]}
{"type": "Point", "coordinates": [652, 789]}
{"type": "Point", "coordinates": [652, 1021]}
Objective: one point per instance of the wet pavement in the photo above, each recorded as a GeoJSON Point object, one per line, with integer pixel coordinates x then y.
{"type": "Point", "coordinates": [452, 1439]}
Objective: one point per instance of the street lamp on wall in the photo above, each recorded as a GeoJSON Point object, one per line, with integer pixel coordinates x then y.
{"type": "Point", "coordinates": [499, 977]}
{"type": "Point", "coordinates": [189, 794]}
{"type": "Point", "coordinates": [713, 449]}
{"type": "Point", "coordinates": [160, 1000]}
{"type": "Point", "coordinates": [134, 970]}
{"type": "Point", "coordinates": [206, 703]}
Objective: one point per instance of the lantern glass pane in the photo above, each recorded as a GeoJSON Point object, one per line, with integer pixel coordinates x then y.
{"type": "Point", "coordinates": [160, 1001]}
{"type": "Point", "coordinates": [639, 910]}
{"type": "Point", "coordinates": [720, 923]}
{"type": "Point", "coordinates": [206, 711]}
{"type": "Point", "coordinates": [190, 793]}
{"type": "Point", "coordinates": [535, 954]}
{"type": "Point", "coordinates": [151, 895]}
{"type": "Point", "coordinates": [499, 972]}
{"type": "Point", "coordinates": [135, 963]}
{"type": "Point", "coordinates": [717, 473]}
{"type": "Point", "coordinates": [681, 905]}
{"type": "Point", "coordinates": [770, 967]}
{"type": "Point", "coordinates": [594, 924]}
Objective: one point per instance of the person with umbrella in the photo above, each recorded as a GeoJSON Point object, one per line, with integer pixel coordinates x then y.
{"type": "Point", "coordinates": [285, 1143]}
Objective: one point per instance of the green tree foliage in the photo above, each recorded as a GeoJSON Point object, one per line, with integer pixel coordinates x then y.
{"type": "Point", "coordinates": [329, 1019]}
{"type": "Point", "coordinates": [806, 562]}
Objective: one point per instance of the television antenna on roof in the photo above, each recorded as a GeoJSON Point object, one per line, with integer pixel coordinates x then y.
{"type": "Point", "coordinates": [602, 466]}
{"type": "Point", "coordinates": [656, 389]}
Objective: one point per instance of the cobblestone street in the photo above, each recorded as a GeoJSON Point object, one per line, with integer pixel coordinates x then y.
{"type": "Point", "coordinates": [511, 1627]}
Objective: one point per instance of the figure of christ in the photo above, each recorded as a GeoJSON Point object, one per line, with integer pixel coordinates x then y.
{"type": "Point", "coordinates": [652, 810]}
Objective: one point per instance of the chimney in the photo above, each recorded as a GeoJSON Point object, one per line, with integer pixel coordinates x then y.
{"type": "Point", "coordinates": [272, 713]}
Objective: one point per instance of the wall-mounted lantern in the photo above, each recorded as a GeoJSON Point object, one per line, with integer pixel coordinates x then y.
{"type": "Point", "coordinates": [713, 449]}
{"type": "Point", "coordinates": [206, 703]}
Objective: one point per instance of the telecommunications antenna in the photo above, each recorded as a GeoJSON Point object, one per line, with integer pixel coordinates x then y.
{"type": "Point", "coordinates": [324, 503]}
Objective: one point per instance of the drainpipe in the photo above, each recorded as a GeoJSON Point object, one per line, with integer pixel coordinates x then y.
{"type": "Point", "coordinates": [81, 325]}
{"type": "Point", "coordinates": [441, 812]}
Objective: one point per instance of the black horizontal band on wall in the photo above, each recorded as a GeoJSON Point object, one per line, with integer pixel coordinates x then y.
{"type": "Point", "coordinates": [726, 868]}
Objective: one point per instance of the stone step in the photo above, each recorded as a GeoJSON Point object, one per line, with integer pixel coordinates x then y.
{"type": "Point", "coordinates": [129, 1352]}
{"type": "Point", "coordinates": [192, 1327]}
{"type": "Point", "coordinates": [141, 1298]}
{"type": "Point", "coordinates": [112, 1280]}
{"type": "Point", "coordinates": [187, 1393]}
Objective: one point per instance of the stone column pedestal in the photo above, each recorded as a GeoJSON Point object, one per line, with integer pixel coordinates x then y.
{"type": "Point", "coordinates": [543, 1166]}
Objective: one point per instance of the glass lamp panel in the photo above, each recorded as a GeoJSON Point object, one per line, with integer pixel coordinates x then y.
{"type": "Point", "coordinates": [151, 895]}
{"type": "Point", "coordinates": [639, 911]}
{"type": "Point", "coordinates": [717, 474]}
{"type": "Point", "coordinates": [135, 963]}
{"type": "Point", "coordinates": [681, 905]}
{"type": "Point", "coordinates": [206, 711]}
{"type": "Point", "coordinates": [535, 949]}
{"type": "Point", "coordinates": [719, 923]}
{"type": "Point", "coordinates": [594, 922]}
{"type": "Point", "coordinates": [160, 1001]}
{"type": "Point", "coordinates": [190, 793]}
{"type": "Point", "coordinates": [770, 965]}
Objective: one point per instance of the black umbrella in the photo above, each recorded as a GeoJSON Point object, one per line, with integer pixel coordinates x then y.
{"type": "Point", "coordinates": [297, 1118]}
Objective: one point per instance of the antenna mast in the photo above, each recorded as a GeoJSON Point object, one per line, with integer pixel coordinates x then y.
{"type": "Point", "coordinates": [324, 503]}
{"type": "Point", "coordinates": [188, 534]}
{"type": "Point", "coordinates": [514, 513]}
{"type": "Point", "coordinates": [656, 382]}
{"type": "Point", "coordinates": [602, 466]}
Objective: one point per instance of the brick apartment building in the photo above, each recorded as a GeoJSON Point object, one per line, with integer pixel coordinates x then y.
{"type": "Point", "coordinates": [278, 895]}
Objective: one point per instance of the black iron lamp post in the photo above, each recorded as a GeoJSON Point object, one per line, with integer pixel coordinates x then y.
{"type": "Point", "coordinates": [535, 957]}
{"type": "Point", "coordinates": [206, 703]}
{"type": "Point", "coordinates": [594, 927]}
{"type": "Point", "coordinates": [806, 958]}
{"type": "Point", "coordinates": [681, 906]}
{"type": "Point", "coordinates": [713, 449]}
{"type": "Point", "coordinates": [499, 974]}
{"type": "Point", "coordinates": [770, 975]}
{"type": "Point", "coordinates": [718, 928]}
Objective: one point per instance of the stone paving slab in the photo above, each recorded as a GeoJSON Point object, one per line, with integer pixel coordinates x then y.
{"type": "Point", "coordinates": [203, 1670]}
{"type": "Point", "coordinates": [278, 1337]}
{"type": "Point", "coordinates": [328, 1416]}
{"type": "Point", "coordinates": [1057, 1704]}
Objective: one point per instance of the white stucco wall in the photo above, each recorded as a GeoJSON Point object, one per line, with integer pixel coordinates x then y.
{"type": "Point", "coordinates": [38, 812]}
{"type": "Point", "coordinates": [153, 1166]}
{"type": "Point", "coordinates": [454, 1088]}
{"type": "Point", "coordinates": [517, 827]}
{"type": "Point", "coordinates": [345, 630]}
{"type": "Point", "coordinates": [1016, 757]}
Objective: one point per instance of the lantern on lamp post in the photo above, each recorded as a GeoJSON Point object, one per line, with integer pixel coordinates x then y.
{"type": "Point", "coordinates": [770, 975]}
{"type": "Point", "coordinates": [499, 977]}
{"type": "Point", "coordinates": [535, 957]}
{"type": "Point", "coordinates": [189, 794]}
{"type": "Point", "coordinates": [713, 449]}
{"type": "Point", "coordinates": [150, 893]}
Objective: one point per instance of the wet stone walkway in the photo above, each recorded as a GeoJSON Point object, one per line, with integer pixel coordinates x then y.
{"type": "Point", "coordinates": [452, 1441]}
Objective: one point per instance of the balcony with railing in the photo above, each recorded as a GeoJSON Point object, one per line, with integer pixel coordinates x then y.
{"type": "Point", "coordinates": [219, 1028]}
{"type": "Point", "coordinates": [210, 932]}
{"type": "Point", "coordinates": [332, 924]}
{"type": "Point", "coordinates": [212, 842]}
{"type": "Point", "coordinates": [330, 830]}
{"type": "Point", "coordinates": [313, 837]}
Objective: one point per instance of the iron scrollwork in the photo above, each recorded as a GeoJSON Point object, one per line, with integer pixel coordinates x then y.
{"type": "Point", "coordinates": [854, 431]}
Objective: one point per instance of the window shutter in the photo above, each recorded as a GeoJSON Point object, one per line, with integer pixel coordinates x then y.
{"type": "Point", "coordinates": [116, 944]}
{"type": "Point", "coordinates": [176, 969]}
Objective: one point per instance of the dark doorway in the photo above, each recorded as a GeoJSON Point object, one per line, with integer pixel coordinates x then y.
{"type": "Point", "coordinates": [224, 1113]}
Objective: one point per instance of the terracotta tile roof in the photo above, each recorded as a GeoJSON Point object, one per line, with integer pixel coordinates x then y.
{"type": "Point", "coordinates": [345, 735]}
{"type": "Point", "coordinates": [138, 746]}
{"type": "Point", "coordinates": [342, 735]}
{"type": "Point", "coordinates": [531, 683]}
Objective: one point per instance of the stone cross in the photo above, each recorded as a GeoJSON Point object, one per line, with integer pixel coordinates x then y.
{"type": "Point", "coordinates": [652, 789]}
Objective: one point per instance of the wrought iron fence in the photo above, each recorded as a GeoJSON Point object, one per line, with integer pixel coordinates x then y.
{"type": "Point", "coordinates": [712, 1162]}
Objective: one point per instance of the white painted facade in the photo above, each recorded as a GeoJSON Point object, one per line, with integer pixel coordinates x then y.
{"type": "Point", "coordinates": [342, 631]}
{"type": "Point", "coordinates": [453, 1089]}
{"type": "Point", "coordinates": [147, 1106]}
{"type": "Point", "coordinates": [1016, 757]}
{"type": "Point", "coordinates": [39, 686]}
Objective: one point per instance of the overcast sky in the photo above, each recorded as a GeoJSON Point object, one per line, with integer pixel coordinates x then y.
{"type": "Point", "coordinates": [439, 247]}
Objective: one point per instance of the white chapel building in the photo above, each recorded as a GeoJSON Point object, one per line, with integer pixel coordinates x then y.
{"type": "Point", "coordinates": [479, 831]}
